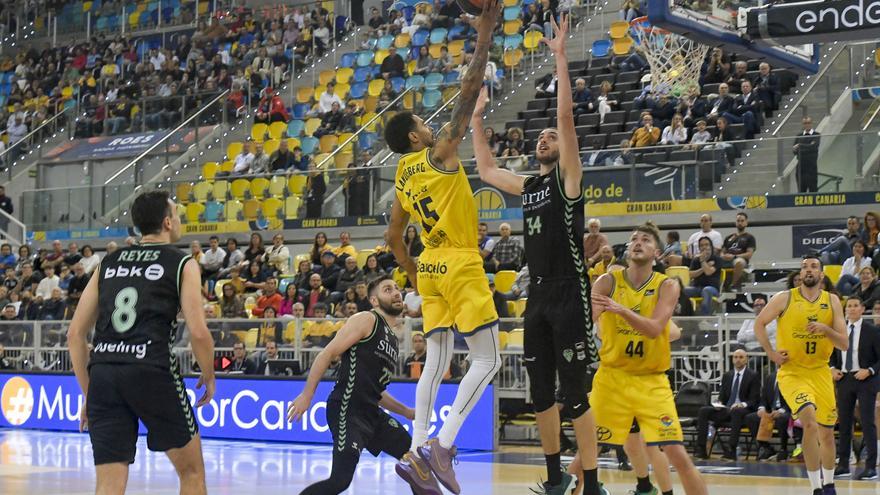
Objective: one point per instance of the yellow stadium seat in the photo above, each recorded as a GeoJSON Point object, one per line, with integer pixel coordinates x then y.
{"type": "Point", "coordinates": [502, 340]}
{"type": "Point", "coordinates": [259, 186]}
{"type": "Point", "coordinates": [618, 29]}
{"type": "Point", "coordinates": [365, 121]}
{"type": "Point", "coordinates": [86, 6]}
{"type": "Point", "coordinates": [343, 160]}
{"type": "Point", "coordinates": [304, 94]}
{"type": "Point", "coordinates": [300, 258]}
{"type": "Point", "coordinates": [375, 87]}
{"type": "Point", "coordinates": [271, 146]}
{"type": "Point", "coordinates": [183, 192]}
{"type": "Point", "coordinates": [218, 288]}
{"type": "Point", "coordinates": [357, 102]}
{"type": "Point", "coordinates": [272, 208]}
{"type": "Point", "coordinates": [622, 46]}
{"type": "Point", "coordinates": [201, 190]}
{"type": "Point", "coordinates": [293, 143]}
{"type": "Point", "coordinates": [326, 76]}
{"type": "Point", "coordinates": [276, 186]}
{"type": "Point", "coordinates": [504, 280]}
{"type": "Point", "coordinates": [220, 191]}
{"type": "Point", "coordinates": [515, 339]}
{"type": "Point", "coordinates": [512, 27]}
{"type": "Point", "coordinates": [456, 47]}
{"type": "Point", "coordinates": [181, 212]}
{"type": "Point", "coordinates": [832, 272]}
{"type": "Point", "coordinates": [449, 93]}
{"type": "Point", "coordinates": [399, 277]}
{"type": "Point", "coordinates": [133, 19]}
{"type": "Point", "coordinates": [232, 150]}
{"type": "Point", "coordinates": [511, 308]}
{"type": "Point", "coordinates": [258, 132]}
{"type": "Point", "coordinates": [512, 58]}
{"type": "Point", "coordinates": [434, 51]}
{"type": "Point", "coordinates": [371, 104]}
{"type": "Point", "coordinates": [344, 75]}
{"type": "Point", "coordinates": [296, 183]}
{"type": "Point", "coordinates": [311, 125]}
{"type": "Point", "coordinates": [532, 39]}
{"type": "Point", "coordinates": [233, 210]}
{"type": "Point", "coordinates": [277, 130]}
{"type": "Point", "coordinates": [319, 161]}
{"type": "Point", "coordinates": [511, 3]}
{"type": "Point", "coordinates": [362, 256]}
{"type": "Point", "coordinates": [209, 170]}
{"type": "Point", "coordinates": [251, 209]}
{"type": "Point", "coordinates": [328, 143]}
{"type": "Point", "coordinates": [411, 67]}
{"type": "Point", "coordinates": [240, 188]}
{"type": "Point", "coordinates": [227, 166]}
{"type": "Point", "coordinates": [67, 92]}
{"type": "Point", "coordinates": [520, 307]}
{"type": "Point", "coordinates": [682, 272]}
{"type": "Point", "coordinates": [291, 207]}
{"type": "Point", "coordinates": [342, 91]}
{"type": "Point", "coordinates": [380, 56]}
{"type": "Point", "coordinates": [194, 212]}
{"type": "Point", "coordinates": [410, 100]}
{"type": "Point", "coordinates": [343, 137]}
{"type": "Point", "coordinates": [402, 40]}
{"type": "Point", "coordinates": [202, 8]}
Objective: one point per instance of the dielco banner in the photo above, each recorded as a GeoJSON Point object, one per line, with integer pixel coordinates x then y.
{"type": "Point", "coordinates": [807, 239]}
{"type": "Point", "coordinates": [814, 22]}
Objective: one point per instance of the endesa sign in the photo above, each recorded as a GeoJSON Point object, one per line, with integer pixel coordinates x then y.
{"type": "Point", "coordinates": [245, 409]}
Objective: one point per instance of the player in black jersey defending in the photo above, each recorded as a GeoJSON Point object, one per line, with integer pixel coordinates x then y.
{"type": "Point", "coordinates": [559, 334]}
{"type": "Point", "coordinates": [369, 352]}
{"type": "Point", "coordinates": [132, 302]}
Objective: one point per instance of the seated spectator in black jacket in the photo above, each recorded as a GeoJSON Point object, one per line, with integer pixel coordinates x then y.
{"type": "Point", "coordinates": [739, 74]}
{"type": "Point", "coordinates": [547, 86]}
{"type": "Point", "coordinates": [773, 410]}
{"type": "Point", "coordinates": [719, 105]}
{"type": "Point", "coordinates": [868, 289]}
{"type": "Point", "coordinates": [663, 111]}
{"type": "Point", "coordinates": [329, 270]}
{"type": "Point", "coordinates": [300, 161]}
{"type": "Point", "coordinates": [329, 121]}
{"type": "Point", "coordinates": [348, 121]}
{"type": "Point", "coordinates": [691, 107]}
{"type": "Point", "coordinates": [282, 159]}
{"type": "Point", "coordinates": [717, 67]}
{"type": "Point", "coordinates": [746, 110]}
{"type": "Point", "coordinates": [768, 88]}
{"type": "Point", "coordinates": [583, 99]}
{"type": "Point", "coordinates": [393, 65]}
{"type": "Point", "coordinates": [53, 308]}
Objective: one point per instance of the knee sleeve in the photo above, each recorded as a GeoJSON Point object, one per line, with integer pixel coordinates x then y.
{"type": "Point", "coordinates": [542, 385]}
{"type": "Point", "coordinates": [575, 390]}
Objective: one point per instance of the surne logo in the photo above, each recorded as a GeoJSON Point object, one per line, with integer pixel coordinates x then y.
{"type": "Point", "coordinates": [536, 197]}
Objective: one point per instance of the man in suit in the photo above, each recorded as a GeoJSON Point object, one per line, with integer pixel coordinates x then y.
{"type": "Point", "coordinates": [773, 409]}
{"type": "Point", "coordinates": [768, 88]}
{"type": "Point", "coordinates": [746, 110]}
{"type": "Point", "coordinates": [740, 393]}
{"type": "Point", "coordinates": [263, 358]}
{"type": "Point", "coordinates": [546, 86]}
{"type": "Point", "coordinates": [719, 105]}
{"type": "Point", "coordinates": [855, 371]}
{"type": "Point", "coordinates": [806, 148]}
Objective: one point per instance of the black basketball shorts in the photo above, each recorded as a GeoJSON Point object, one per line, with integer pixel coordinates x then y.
{"type": "Point", "coordinates": [557, 329]}
{"type": "Point", "coordinates": [121, 394]}
{"type": "Point", "coordinates": [356, 427]}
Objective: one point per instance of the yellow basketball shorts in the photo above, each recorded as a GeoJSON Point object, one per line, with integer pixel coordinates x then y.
{"type": "Point", "coordinates": [455, 291]}
{"type": "Point", "coordinates": [618, 398]}
{"type": "Point", "coordinates": [801, 387]}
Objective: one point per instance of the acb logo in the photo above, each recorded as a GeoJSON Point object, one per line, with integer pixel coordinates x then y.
{"type": "Point", "coordinates": [17, 401]}
{"type": "Point", "coordinates": [488, 198]}
{"type": "Point", "coordinates": [603, 433]}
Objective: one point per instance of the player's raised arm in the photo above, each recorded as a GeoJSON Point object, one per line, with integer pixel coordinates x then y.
{"type": "Point", "coordinates": [356, 328]}
{"type": "Point", "coordinates": [569, 154]}
{"type": "Point", "coordinates": [77, 337]}
{"type": "Point", "coordinates": [490, 173]}
{"type": "Point", "coordinates": [396, 227]}
{"type": "Point", "coordinates": [445, 150]}
{"type": "Point", "coordinates": [771, 311]}
{"type": "Point", "coordinates": [649, 327]}
{"type": "Point", "coordinates": [202, 341]}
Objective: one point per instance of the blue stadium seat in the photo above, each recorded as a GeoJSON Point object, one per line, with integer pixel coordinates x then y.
{"type": "Point", "coordinates": [213, 211]}
{"type": "Point", "coordinates": [385, 42]}
{"type": "Point", "coordinates": [513, 41]}
{"type": "Point", "coordinates": [398, 83]}
{"type": "Point", "coordinates": [433, 80]}
{"type": "Point", "coordinates": [348, 60]}
{"type": "Point", "coordinates": [600, 48]}
{"type": "Point", "coordinates": [361, 74]}
{"type": "Point", "coordinates": [438, 36]}
{"type": "Point", "coordinates": [365, 59]}
{"type": "Point", "coordinates": [451, 77]}
{"type": "Point", "coordinates": [416, 82]}
{"type": "Point", "coordinates": [300, 110]}
{"type": "Point", "coordinates": [308, 144]}
{"type": "Point", "coordinates": [295, 128]}
{"type": "Point", "coordinates": [511, 13]}
{"type": "Point", "coordinates": [420, 37]}
{"type": "Point", "coordinates": [366, 140]}
{"type": "Point", "coordinates": [341, 21]}
{"type": "Point", "coordinates": [358, 90]}
{"type": "Point", "coordinates": [458, 32]}
{"type": "Point", "coordinates": [431, 98]}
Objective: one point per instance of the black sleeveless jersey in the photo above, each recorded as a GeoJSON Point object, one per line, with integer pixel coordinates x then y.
{"type": "Point", "coordinates": [138, 303]}
{"type": "Point", "coordinates": [367, 367]}
{"type": "Point", "coordinates": [553, 228]}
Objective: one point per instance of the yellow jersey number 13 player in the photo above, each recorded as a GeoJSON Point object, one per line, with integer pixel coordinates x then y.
{"type": "Point", "coordinates": [559, 338]}
{"type": "Point", "coordinates": [633, 308]}
{"type": "Point", "coordinates": [809, 326]}
{"type": "Point", "coordinates": [132, 302]}
{"type": "Point", "coordinates": [433, 189]}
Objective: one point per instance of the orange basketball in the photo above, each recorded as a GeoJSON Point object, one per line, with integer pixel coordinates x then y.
{"type": "Point", "coordinates": [472, 7]}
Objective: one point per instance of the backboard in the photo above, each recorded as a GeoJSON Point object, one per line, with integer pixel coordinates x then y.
{"type": "Point", "coordinates": [714, 23]}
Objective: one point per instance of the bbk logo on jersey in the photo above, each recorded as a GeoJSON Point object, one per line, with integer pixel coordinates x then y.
{"type": "Point", "coordinates": [17, 401]}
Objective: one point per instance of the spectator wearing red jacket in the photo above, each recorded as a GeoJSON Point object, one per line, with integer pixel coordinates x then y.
{"type": "Point", "coordinates": [271, 109]}
{"type": "Point", "coordinates": [271, 297]}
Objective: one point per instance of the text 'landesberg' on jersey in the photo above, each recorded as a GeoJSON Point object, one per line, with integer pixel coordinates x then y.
{"type": "Point", "coordinates": [138, 301]}
{"type": "Point", "coordinates": [441, 201]}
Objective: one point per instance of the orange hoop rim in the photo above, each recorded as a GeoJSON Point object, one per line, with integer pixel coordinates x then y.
{"type": "Point", "coordinates": [643, 24]}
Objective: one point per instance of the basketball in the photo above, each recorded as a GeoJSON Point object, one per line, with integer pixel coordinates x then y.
{"type": "Point", "coordinates": [472, 7]}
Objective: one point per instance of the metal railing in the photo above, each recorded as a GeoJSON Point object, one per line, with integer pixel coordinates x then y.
{"type": "Point", "coordinates": [700, 355]}
{"type": "Point", "coordinates": [24, 148]}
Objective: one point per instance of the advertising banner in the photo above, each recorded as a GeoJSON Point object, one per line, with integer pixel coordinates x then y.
{"type": "Point", "coordinates": [814, 22]}
{"type": "Point", "coordinates": [121, 146]}
{"type": "Point", "coordinates": [808, 238]}
{"type": "Point", "coordinates": [245, 409]}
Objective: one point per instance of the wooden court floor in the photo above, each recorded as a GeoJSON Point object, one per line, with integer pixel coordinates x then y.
{"type": "Point", "coordinates": [44, 463]}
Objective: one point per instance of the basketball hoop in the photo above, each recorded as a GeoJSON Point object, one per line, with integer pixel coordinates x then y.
{"type": "Point", "coordinates": [675, 60]}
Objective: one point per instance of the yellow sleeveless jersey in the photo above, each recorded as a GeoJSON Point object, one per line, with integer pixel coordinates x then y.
{"type": "Point", "coordinates": [441, 201]}
{"type": "Point", "coordinates": [805, 349]}
{"type": "Point", "coordinates": [625, 348]}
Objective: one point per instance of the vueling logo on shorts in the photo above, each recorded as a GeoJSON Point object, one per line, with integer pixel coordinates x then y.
{"type": "Point", "coordinates": [17, 401]}
{"type": "Point", "coordinates": [438, 268]}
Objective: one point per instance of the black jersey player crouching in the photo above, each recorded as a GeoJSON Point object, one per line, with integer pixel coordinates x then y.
{"type": "Point", "coordinates": [368, 348]}
{"type": "Point", "coordinates": [132, 301]}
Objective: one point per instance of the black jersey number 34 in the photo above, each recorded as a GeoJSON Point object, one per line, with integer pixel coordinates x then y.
{"type": "Point", "coordinates": [125, 310]}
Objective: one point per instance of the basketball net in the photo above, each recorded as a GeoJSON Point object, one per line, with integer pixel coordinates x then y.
{"type": "Point", "coordinates": [675, 60]}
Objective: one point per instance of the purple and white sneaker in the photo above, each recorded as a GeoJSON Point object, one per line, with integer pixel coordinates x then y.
{"type": "Point", "coordinates": [441, 460]}
{"type": "Point", "coordinates": [418, 475]}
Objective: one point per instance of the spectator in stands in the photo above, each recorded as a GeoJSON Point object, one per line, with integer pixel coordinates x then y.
{"type": "Point", "coordinates": [533, 18]}
{"type": "Point", "coordinates": [6, 363]}
{"type": "Point", "coordinates": [277, 257]}
{"type": "Point", "coordinates": [231, 259]}
{"type": "Point", "coordinates": [444, 63]}
{"type": "Point", "coordinates": [319, 333]}
{"type": "Point", "coordinates": [692, 107]}
{"type": "Point", "coordinates": [746, 333]}
{"type": "Point", "coordinates": [52, 307]}
{"type": "Point", "coordinates": [412, 303]}
{"type": "Point", "coordinates": [376, 23]}
{"type": "Point", "coordinates": [413, 241]}
{"type": "Point", "coordinates": [706, 230]}
{"type": "Point", "coordinates": [485, 244]}
{"type": "Point", "coordinates": [806, 148]}
{"type": "Point", "coordinates": [868, 289]}
{"type": "Point", "coordinates": [734, 80]}
{"type": "Point", "coordinates": [767, 86]}
{"type": "Point", "coordinates": [393, 65]}
{"type": "Point", "coordinates": [303, 273]}
{"type": "Point", "coordinates": [507, 252]}
{"type": "Point", "coordinates": [746, 110]}
{"type": "Point", "coordinates": [316, 188]}
{"type": "Point", "coordinates": [387, 95]}
{"type": "Point", "coordinates": [10, 281]}
{"type": "Point", "coordinates": [546, 86]}
{"type": "Point", "coordinates": [740, 395]}
{"type": "Point", "coordinates": [319, 247]}
{"type": "Point", "coordinates": [255, 248]}
{"type": "Point", "coordinates": [412, 367]}
{"type": "Point", "coordinates": [256, 277]}
{"type": "Point", "coordinates": [329, 271]}
{"type": "Point", "coordinates": [722, 142]}
{"type": "Point", "coordinates": [629, 10]}
{"type": "Point", "coordinates": [282, 159]}
{"type": "Point", "coordinates": [774, 412]}
{"type": "Point", "coordinates": [329, 121]}
{"type": "Point", "coordinates": [663, 110]}
{"type": "Point", "coordinates": [111, 247]}
{"type": "Point", "coordinates": [48, 283]}
{"type": "Point", "coordinates": [28, 278]}
{"type": "Point", "coordinates": [56, 257]}
{"type": "Point", "coordinates": [72, 256]}
{"type": "Point", "coordinates": [872, 230]}
{"type": "Point", "coordinates": [195, 250]}
{"type": "Point", "coordinates": [260, 163]}
{"type": "Point", "coordinates": [493, 139]}
{"type": "Point", "coordinates": [349, 276]}
{"type": "Point", "coordinates": [672, 250]}
{"type": "Point", "coordinates": [89, 259]}
{"type": "Point", "coordinates": [371, 269]}
{"type": "Point", "coordinates": [705, 272]}
{"type": "Point", "coordinates": [423, 62]}
{"type": "Point", "coordinates": [231, 304]}
{"type": "Point", "coordinates": [270, 297]}
{"type": "Point", "coordinates": [361, 297]}
{"type": "Point", "coordinates": [701, 135]}
{"type": "Point", "coordinates": [17, 131]}
{"type": "Point", "coordinates": [447, 15]}
{"type": "Point", "coordinates": [345, 248]}
{"type": "Point", "coordinates": [675, 132]}
{"type": "Point", "coordinates": [299, 162]}
{"type": "Point", "coordinates": [717, 67]}
{"type": "Point", "coordinates": [594, 239]}
{"type": "Point", "coordinates": [271, 109]}
{"type": "Point", "coordinates": [263, 359]}
{"type": "Point", "coordinates": [348, 121]}
{"type": "Point", "coordinates": [520, 287]}
{"type": "Point", "coordinates": [582, 98]}
{"type": "Point", "coordinates": [720, 105]}
{"type": "Point", "coordinates": [235, 279]}
{"type": "Point", "coordinates": [244, 161]}
{"type": "Point", "coordinates": [853, 265]}
{"type": "Point", "coordinates": [212, 259]}
{"type": "Point", "coordinates": [120, 113]}
{"type": "Point", "coordinates": [317, 294]}
{"type": "Point", "coordinates": [7, 258]}
{"type": "Point", "coordinates": [737, 251]}
{"type": "Point", "coordinates": [240, 362]}
{"type": "Point", "coordinates": [514, 145]}
{"type": "Point", "coordinates": [647, 135]}
{"type": "Point", "coordinates": [357, 186]}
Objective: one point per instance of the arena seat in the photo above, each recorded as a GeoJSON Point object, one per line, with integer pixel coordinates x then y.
{"type": "Point", "coordinates": [291, 207]}
{"type": "Point", "coordinates": [362, 256]}
{"type": "Point", "coordinates": [296, 183]}
{"type": "Point", "coordinates": [259, 187]}
{"type": "Point", "coordinates": [220, 191]}
{"type": "Point", "coordinates": [201, 191]}
{"type": "Point", "coordinates": [251, 209]}
{"type": "Point", "coordinates": [213, 211]}
{"type": "Point", "coordinates": [272, 208]}
{"type": "Point", "coordinates": [504, 280]}
{"type": "Point", "coordinates": [195, 212]}
{"type": "Point", "coordinates": [682, 272]}
{"type": "Point", "coordinates": [233, 150]}
{"type": "Point", "coordinates": [240, 188]}
{"type": "Point", "coordinates": [276, 186]}
{"type": "Point", "coordinates": [277, 130]}
{"type": "Point", "coordinates": [209, 170]}
{"type": "Point", "coordinates": [183, 192]}
{"type": "Point", "coordinates": [832, 272]}
{"type": "Point", "coordinates": [258, 132]}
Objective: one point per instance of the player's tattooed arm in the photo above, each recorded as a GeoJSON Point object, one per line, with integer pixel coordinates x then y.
{"type": "Point", "coordinates": [487, 166]}
{"type": "Point", "coordinates": [445, 150]}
